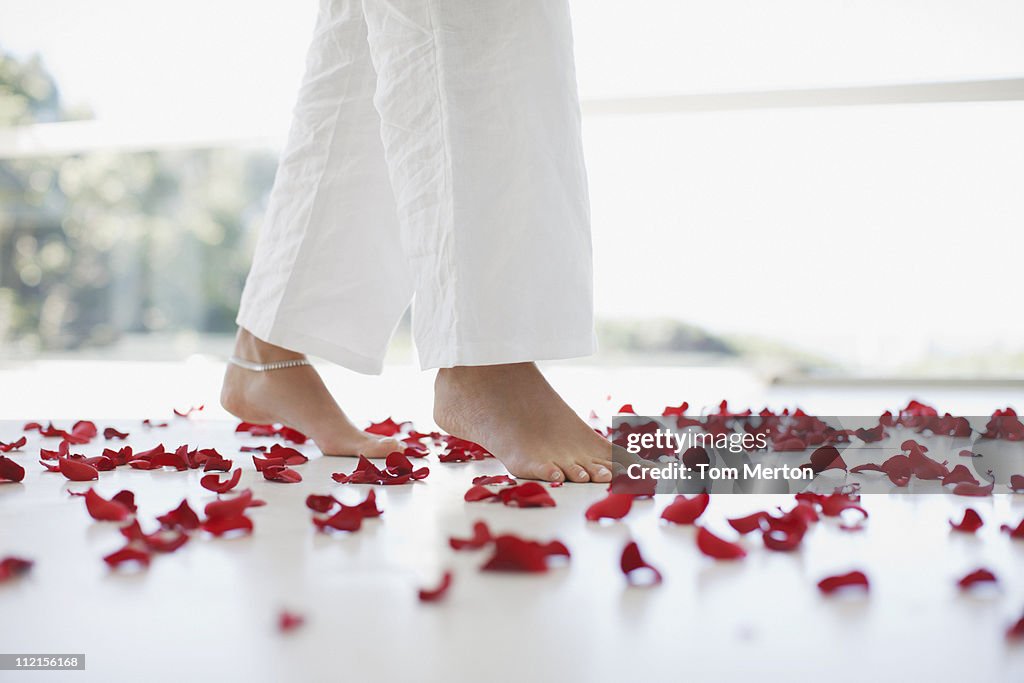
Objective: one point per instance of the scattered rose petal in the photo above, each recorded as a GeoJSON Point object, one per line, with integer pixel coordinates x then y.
{"type": "Point", "coordinates": [1015, 532]}
{"type": "Point", "coordinates": [493, 480]}
{"type": "Point", "coordinates": [481, 537]}
{"type": "Point", "coordinates": [528, 495]}
{"type": "Point", "coordinates": [855, 578]}
{"type": "Point", "coordinates": [219, 526]}
{"type": "Point", "coordinates": [126, 498]}
{"type": "Point", "coordinates": [477, 493]}
{"type": "Point", "coordinates": [111, 433]}
{"type": "Point", "coordinates": [969, 489]}
{"type": "Point", "coordinates": [387, 427]}
{"type": "Point", "coordinates": [977, 576]}
{"type": "Point", "coordinates": [289, 621]}
{"type": "Point", "coordinates": [1017, 483]}
{"type": "Point", "coordinates": [745, 525]}
{"type": "Point", "coordinates": [211, 482]}
{"type": "Point", "coordinates": [10, 471]}
{"type": "Point", "coordinates": [76, 470]}
{"type": "Point", "coordinates": [13, 445]}
{"type": "Point", "coordinates": [13, 567]}
{"type": "Point", "coordinates": [189, 411]}
{"type": "Point", "coordinates": [281, 473]}
{"type": "Point", "coordinates": [718, 548]}
{"type": "Point", "coordinates": [632, 562]}
{"type": "Point", "coordinates": [1016, 630]}
{"type": "Point", "coordinates": [827, 458]}
{"type": "Point", "coordinates": [290, 455]}
{"type": "Point", "coordinates": [969, 524]}
{"type": "Point", "coordinates": [105, 510]}
{"type": "Point", "coordinates": [685, 510]}
{"type": "Point", "coordinates": [129, 553]}
{"type": "Point", "coordinates": [321, 504]}
{"type": "Point", "coordinates": [182, 518]}
{"type": "Point", "coordinates": [613, 506]}
{"type": "Point", "coordinates": [515, 554]}
{"type": "Point", "coordinates": [958, 475]}
{"type": "Point", "coordinates": [349, 517]}
{"type": "Point", "coordinates": [435, 594]}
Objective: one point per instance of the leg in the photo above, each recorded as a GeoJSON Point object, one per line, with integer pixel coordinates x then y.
{"type": "Point", "coordinates": [327, 277]}
{"type": "Point", "coordinates": [296, 397]}
{"type": "Point", "coordinates": [481, 128]}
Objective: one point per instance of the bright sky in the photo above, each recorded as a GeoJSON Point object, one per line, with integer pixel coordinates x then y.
{"type": "Point", "coordinates": [872, 234]}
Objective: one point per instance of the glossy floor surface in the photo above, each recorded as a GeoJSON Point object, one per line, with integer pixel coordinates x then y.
{"type": "Point", "coordinates": [209, 611]}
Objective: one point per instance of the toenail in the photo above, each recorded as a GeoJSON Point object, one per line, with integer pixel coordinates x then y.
{"type": "Point", "coordinates": [601, 471]}
{"type": "Point", "coordinates": [556, 475]}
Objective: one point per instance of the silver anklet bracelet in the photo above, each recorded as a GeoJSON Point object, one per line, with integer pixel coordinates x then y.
{"type": "Point", "coordinates": [263, 367]}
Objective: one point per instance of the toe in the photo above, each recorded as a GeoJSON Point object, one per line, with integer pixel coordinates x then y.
{"type": "Point", "coordinates": [575, 472]}
{"type": "Point", "coordinates": [600, 471]}
{"type": "Point", "coordinates": [545, 471]}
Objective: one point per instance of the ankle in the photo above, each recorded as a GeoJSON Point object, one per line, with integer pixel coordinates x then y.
{"type": "Point", "coordinates": [249, 347]}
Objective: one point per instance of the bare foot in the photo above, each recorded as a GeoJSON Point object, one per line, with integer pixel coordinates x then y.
{"type": "Point", "coordinates": [514, 413]}
{"type": "Point", "coordinates": [295, 397]}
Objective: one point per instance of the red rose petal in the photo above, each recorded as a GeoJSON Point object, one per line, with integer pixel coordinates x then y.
{"type": "Point", "coordinates": [435, 594]}
{"type": "Point", "coordinates": [958, 475]}
{"type": "Point", "coordinates": [128, 553]}
{"type": "Point", "coordinates": [977, 576]}
{"type": "Point", "coordinates": [386, 427]}
{"type": "Point", "coordinates": [289, 621]}
{"type": "Point", "coordinates": [282, 474]}
{"type": "Point", "coordinates": [481, 537]}
{"type": "Point", "coordinates": [349, 517]}
{"type": "Point", "coordinates": [290, 455]}
{"type": "Point", "coordinates": [477, 493]}
{"type": "Point", "coordinates": [855, 578]}
{"type": "Point", "coordinates": [1017, 483]}
{"type": "Point", "coordinates": [321, 504]}
{"type": "Point", "coordinates": [111, 433]}
{"type": "Point", "coordinates": [626, 409]}
{"type": "Point", "coordinates": [528, 495]}
{"type": "Point", "coordinates": [969, 524]}
{"type": "Point", "coordinates": [827, 458]}
{"type": "Point", "coordinates": [718, 548]}
{"type": "Point", "coordinates": [493, 480]}
{"type": "Point", "coordinates": [181, 517]}
{"type": "Point", "coordinates": [13, 445]}
{"type": "Point", "coordinates": [10, 471]}
{"type": "Point", "coordinates": [12, 567]}
{"type": "Point", "coordinates": [1016, 630]}
{"type": "Point", "coordinates": [632, 561]}
{"type": "Point", "coordinates": [149, 423]}
{"type": "Point", "coordinates": [189, 411]}
{"type": "Point", "coordinates": [77, 471]}
{"type": "Point", "coordinates": [104, 510]}
{"type": "Point", "coordinates": [514, 554]}
{"type": "Point", "coordinates": [613, 506]}
{"type": "Point", "coordinates": [293, 435]}
{"type": "Point", "coordinates": [346, 519]}
{"type": "Point", "coordinates": [745, 525]}
{"type": "Point", "coordinates": [976, 490]}
{"type": "Point", "coordinates": [218, 526]}
{"type": "Point", "coordinates": [126, 498]}
{"type": "Point", "coordinates": [685, 510]}
{"type": "Point", "coordinates": [1015, 532]}
{"type": "Point", "coordinates": [212, 482]}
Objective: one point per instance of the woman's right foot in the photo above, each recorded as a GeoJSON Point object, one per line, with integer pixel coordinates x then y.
{"type": "Point", "coordinates": [295, 397]}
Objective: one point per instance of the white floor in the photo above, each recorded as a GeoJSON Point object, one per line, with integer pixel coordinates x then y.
{"type": "Point", "coordinates": [208, 611]}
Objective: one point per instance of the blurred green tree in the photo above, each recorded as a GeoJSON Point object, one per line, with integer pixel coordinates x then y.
{"type": "Point", "coordinates": [98, 244]}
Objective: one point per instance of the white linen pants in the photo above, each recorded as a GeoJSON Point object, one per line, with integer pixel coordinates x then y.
{"type": "Point", "coordinates": [434, 155]}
